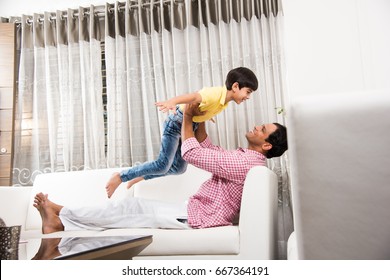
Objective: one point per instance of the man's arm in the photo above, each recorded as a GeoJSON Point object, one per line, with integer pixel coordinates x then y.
{"type": "Point", "coordinates": [170, 104]}
{"type": "Point", "coordinates": [187, 131]}
{"type": "Point", "coordinates": [200, 133]}
{"type": "Point", "coordinates": [198, 151]}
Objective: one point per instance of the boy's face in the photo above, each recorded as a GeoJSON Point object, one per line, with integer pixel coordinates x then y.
{"type": "Point", "coordinates": [241, 95]}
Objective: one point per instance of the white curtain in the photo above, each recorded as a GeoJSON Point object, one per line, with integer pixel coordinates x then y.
{"type": "Point", "coordinates": [150, 59]}
{"type": "Point", "coordinates": [152, 50]}
{"type": "Point", "coordinates": [59, 117]}
{"type": "Point", "coordinates": [167, 48]}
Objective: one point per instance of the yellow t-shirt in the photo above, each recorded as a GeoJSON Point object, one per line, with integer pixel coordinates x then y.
{"type": "Point", "coordinates": [213, 102]}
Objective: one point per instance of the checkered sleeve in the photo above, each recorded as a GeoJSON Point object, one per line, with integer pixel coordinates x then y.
{"type": "Point", "coordinates": [216, 160]}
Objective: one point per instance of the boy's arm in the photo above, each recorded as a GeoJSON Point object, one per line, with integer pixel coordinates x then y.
{"type": "Point", "coordinates": [170, 104]}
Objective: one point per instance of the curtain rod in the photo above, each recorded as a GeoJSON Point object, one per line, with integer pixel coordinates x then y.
{"type": "Point", "coordinates": [100, 10]}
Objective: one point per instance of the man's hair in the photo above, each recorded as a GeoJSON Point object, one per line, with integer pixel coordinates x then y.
{"type": "Point", "coordinates": [243, 76]}
{"type": "Point", "coordinates": [278, 140]}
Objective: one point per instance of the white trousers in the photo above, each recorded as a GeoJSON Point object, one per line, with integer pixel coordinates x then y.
{"type": "Point", "coordinates": [127, 213]}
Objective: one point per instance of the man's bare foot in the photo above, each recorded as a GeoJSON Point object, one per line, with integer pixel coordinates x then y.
{"type": "Point", "coordinates": [113, 184]}
{"type": "Point", "coordinates": [48, 249]}
{"type": "Point", "coordinates": [134, 181]}
{"type": "Point", "coordinates": [49, 212]}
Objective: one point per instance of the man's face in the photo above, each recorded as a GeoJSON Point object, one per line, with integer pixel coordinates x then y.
{"type": "Point", "coordinates": [259, 133]}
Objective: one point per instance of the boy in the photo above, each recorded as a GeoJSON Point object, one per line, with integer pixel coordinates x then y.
{"type": "Point", "coordinates": [240, 83]}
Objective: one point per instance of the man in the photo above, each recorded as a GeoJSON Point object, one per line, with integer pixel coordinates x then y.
{"type": "Point", "coordinates": [215, 204]}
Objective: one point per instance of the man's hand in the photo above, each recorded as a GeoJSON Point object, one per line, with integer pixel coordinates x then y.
{"type": "Point", "coordinates": [187, 131]}
{"type": "Point", "coordinates": [192, 110]}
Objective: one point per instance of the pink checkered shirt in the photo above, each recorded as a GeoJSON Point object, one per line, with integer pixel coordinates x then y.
{"type": "Point", "coordinates": [218, 200]}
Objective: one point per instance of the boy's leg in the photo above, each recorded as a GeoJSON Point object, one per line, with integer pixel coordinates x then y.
{"type": "Point", "coordinates": [169, 145]}
{"type": "Point", "coordinates": [179, 166]}
{"type": "Point", "coordinates": [134, 181]}
{"type": "Point", "coordinates": [113, 183]}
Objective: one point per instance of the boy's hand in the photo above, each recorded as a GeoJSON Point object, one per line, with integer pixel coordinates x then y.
{"type": "Point", "coordinates": [166, 106]}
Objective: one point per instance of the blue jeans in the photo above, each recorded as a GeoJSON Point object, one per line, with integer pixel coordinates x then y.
{"type": "Point", "coordinates": [169, 160]}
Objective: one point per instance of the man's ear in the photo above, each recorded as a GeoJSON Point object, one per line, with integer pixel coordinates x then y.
{"type": "Point", "coordinates": [266, 146]}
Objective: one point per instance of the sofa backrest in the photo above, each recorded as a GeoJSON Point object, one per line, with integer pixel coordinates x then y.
{"type": "Point", "coordinates": [175, 188]}
{"type": "Point", "coordinates": [87, 188]}
{"type": "Point", "coordinates": [74, 188]}
{"type": "Point", "coordinates": [340, 158]}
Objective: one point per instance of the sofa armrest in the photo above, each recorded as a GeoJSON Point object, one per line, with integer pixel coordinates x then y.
{"type": "Point", "coordinates": [258, 215]}
{"type": "Point", "coordinates": [292, 248]}
{"type": "Point", "coordinates": [14, 202]}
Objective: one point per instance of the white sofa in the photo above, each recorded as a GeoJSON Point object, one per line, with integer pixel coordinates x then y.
{"type": "Point", "coordinates": [254, 237]}
{"type": "Point", "coordinates": [340, 176]}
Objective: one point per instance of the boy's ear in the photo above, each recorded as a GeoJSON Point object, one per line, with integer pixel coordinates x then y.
{"type": "Point", "coordinates": [236, 86]}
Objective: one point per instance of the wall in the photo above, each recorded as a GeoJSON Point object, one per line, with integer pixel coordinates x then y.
{"type": "Point", "coordinates": [331, 45]}
{"type": "Point", "coordinates": [7, 101]}
{"type": "Point", "coordinates": [337, 46]}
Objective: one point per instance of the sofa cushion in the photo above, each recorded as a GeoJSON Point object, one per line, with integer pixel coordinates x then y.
{"type": "Point", "coordinates": [166, 242]}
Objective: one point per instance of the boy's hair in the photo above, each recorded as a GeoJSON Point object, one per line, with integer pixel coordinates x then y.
{"type": "Point", "coordinates": [278, 140]}
{"type": "Point", "coordinates": [243, 76]}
